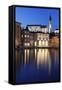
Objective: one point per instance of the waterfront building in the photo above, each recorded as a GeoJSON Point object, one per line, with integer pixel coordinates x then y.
{"type": "Point", "coordinates": [17, 34]}
{"type": "Point", "coordinates": [56, 31]}
{"type": "Point", "coordinates": [36, 35]}
{"type": "Point", "coordinates": [39, 33]}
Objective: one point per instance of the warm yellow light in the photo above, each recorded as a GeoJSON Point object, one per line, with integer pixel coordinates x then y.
{"type": "Point", "coordinates": [26, 44]}
{"type": "Point", "coordinates": [39, 42]}
{"type": "Point", "coordinates": [28, 55]}
{"type": "Point", "coordinates": [46, 43]}
{"type": "Point", "coordinates": [25, 56]}
{"type": "Point", "coordinates": [35, 43]}
{"type": "Point", "coordinates": [16, 42]}
{"type": "Point", "coordinates": [43, 57]}
{"type": "Point", "coordinates": [35, 54]}
{"type": "Point", "coordinates": [43, 43]}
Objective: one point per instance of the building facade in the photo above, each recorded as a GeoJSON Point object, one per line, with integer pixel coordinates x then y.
{"type": "Point", "coordinates": [17, 34]}
{"type": "Point", "coordinates": [35, 35]}
{"type": "Point", "coordinates": [39, 35]}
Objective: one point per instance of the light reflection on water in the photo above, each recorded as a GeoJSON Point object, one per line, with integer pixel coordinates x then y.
{"type": "Point", "coordinates": [41, 59]}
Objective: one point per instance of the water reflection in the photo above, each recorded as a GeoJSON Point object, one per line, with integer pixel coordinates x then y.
{"type": "Point", "coordinates": [26, 53]}
{"type": "Point", "coordinates": [45, 60]}
{"type": "Point", "coordinates": [38, 56]}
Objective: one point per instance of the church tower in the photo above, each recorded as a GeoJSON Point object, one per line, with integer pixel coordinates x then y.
{"type": "Point", "coordinates": [50, 24]}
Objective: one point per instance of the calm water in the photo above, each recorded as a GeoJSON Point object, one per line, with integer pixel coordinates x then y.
{"type": "Point", "coordinates": [41, 65]}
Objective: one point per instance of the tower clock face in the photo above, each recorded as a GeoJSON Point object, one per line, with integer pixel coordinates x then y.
{"type": "Point", "coordinates": [50, 25]}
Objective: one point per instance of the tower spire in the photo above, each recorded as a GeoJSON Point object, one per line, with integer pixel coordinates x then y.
{"type": "Point", "coordinates": [50, 24]}
{"type": "Point", "coordinates": [50, 18]}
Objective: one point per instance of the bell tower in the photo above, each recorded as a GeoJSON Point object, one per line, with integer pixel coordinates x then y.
{"type": "Point", "coordinates": [50, 24]}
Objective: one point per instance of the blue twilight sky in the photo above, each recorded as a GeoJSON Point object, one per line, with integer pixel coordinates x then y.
{"type": "Point", "coordinates": [27, 16]}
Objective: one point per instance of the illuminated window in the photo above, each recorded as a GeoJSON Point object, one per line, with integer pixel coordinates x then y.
{"type": "Point", "coordinates": [25, 35]}
{"type": "Point", "coordinates": [26, 44]}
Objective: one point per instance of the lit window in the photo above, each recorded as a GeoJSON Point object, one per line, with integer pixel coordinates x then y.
{"type": "Point", "coordinates": [25, 35]}
{"type": "Point", "coordinates": [26, 44]}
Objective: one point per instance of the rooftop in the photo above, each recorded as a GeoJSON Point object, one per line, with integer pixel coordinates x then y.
{"type": "Point", "coordinates": [37, 25]}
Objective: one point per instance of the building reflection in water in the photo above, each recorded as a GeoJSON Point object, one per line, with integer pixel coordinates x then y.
{"type": "Point", "coordinates": [43, 58]}
{"type": "Point", "coordinates": [40, 57]}
{"type": "Point", "coordinates": [26, 57]}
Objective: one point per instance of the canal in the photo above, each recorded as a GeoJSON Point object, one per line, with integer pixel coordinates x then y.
{"type": "Point", "coordinates": [37, 65]}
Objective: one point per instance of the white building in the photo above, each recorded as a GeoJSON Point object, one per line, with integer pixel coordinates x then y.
{"type": "Point", "coordinates": [56, 31]}
{"type": "Point", "coordinates": [37, 28]}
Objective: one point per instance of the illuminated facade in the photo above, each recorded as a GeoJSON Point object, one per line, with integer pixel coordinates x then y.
{"type": "Point", "coordinates": [35, 35]}
{"type": "Point", "coordinates": [18, 34]}
{"type": "Point", "coordinates": [39, 35]}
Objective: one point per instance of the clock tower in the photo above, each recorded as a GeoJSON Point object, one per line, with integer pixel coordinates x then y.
{"type": "Point", "coordinates": [50, 24]}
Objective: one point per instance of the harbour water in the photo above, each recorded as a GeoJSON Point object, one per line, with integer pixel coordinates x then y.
{"type": "Point", "coordinates": [37, 65]}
